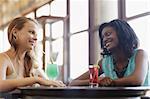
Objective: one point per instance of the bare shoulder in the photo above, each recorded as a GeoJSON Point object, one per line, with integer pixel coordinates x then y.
{"type": "Point", "coordinates": [2, 57]}
{"type": "Point", "coordinates": [141, 54]}
{"type": "Point", "coordinates": [3, 63]}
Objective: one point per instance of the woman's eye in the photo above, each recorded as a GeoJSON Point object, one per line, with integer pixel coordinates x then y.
{"type": "Point", "coordinates": [108, 33]}
{"type": "Point", "coordinates": [32, 32]}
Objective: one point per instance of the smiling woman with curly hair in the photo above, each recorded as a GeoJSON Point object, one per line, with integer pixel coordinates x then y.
{"type": "Point", "coordinates": [123, 64]}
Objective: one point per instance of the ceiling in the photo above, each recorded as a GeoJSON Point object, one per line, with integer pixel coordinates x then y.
{"type": "Point", "coordinates": [10, 9]}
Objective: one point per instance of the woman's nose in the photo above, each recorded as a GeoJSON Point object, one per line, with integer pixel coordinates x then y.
{"type": "Point", "coordinates": [105, 39]}
{"type": "Point", "coordinates": [35, 37]}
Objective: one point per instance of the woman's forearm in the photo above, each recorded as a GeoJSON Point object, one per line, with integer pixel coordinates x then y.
{"type": "Point", "coordinates": [7, 85]}
{"type": "Point", "coordinates": [79, 82]}
{"type": "Point", "coordinates": [127, 81]}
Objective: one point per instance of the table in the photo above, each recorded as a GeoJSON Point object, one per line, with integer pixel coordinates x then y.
{"type": "Point", "coordinates": [81, 93]}
{"type": "Point", "coordinates": [15, 94]}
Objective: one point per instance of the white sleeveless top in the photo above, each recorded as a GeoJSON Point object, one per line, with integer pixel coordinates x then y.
{"type": "Point", "coordinates": [13, 75]}
{"type": "Point", "coordinates": [33, 71]}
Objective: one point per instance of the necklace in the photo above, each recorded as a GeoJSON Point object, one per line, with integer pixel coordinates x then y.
{"type": "Point", "coordinates": [119, 73]}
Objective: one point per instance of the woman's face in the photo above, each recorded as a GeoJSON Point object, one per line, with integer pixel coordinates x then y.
{"type": "Point", "coordinates": [110, 39]}
{"type": "Point", "coordinates": [27, 36]}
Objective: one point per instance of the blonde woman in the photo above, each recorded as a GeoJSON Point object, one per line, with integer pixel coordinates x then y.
{"type": "Point", "coordinates": [17, 62]}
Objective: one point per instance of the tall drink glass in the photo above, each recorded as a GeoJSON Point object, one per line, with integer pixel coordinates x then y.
{"type": "Point", "coordinates": [93, 78]}
{"type": "Point", "coordinates": [52, 71]}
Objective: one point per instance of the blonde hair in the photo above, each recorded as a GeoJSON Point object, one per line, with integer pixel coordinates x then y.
{"type": "Point", "coordinates": [18, 23]}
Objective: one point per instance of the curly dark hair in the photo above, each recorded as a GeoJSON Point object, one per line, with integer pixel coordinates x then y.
{"type": "Point", "coordinates": [128, 41]}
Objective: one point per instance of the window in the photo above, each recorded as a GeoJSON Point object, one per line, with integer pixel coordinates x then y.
{"type": "Point", "coordinates": [51, 34]}
{"type": "Point", "coordinates": [79, 49]}
{"type": "Point", "coordinates": [135, 7]}
{"type": "Point", "coordinates": [43, 11]}
{"type": "Point", "coordinates": [59, 8]}
{"type": "Point", "coordinates": [47, 51]}
{"type": "Point", "coordinates": [54, 42]}
{"type": "Point", "coordinates": [57, 51]}
{"type": "Point", "coordinates": [78, 15]}
{"type": "Point", "coordinates": [79, 40]}
{"type": "Point", "coordinates": [30, 15]}
{"type": "Point", "coordinates": [1, 41]}
{"type": "Point", "coordinates": [57, 29]}
{"type": "Point", "coordinates": [5, 39]}
{"type": "Point", "coordinates": [108, 9]}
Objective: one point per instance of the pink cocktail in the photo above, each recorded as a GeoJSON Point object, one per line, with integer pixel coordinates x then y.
{"type": "Point", "coordinates": [93, 79]}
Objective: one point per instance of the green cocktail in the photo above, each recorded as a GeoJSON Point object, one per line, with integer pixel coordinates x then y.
{"type": "Point", "coordinates": [52, 71]}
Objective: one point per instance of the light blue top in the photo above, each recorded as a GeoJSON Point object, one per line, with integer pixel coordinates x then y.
{"type": "Point", "coordinates": [108, 68]}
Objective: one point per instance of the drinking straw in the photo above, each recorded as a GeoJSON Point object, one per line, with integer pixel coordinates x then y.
{"type": "Point", "coordinates": [51, 59]}
{"type": "Point", "coordinates": [96, 65]}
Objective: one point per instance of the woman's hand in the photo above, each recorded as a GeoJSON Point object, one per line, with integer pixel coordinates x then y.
{"type": "Point", "coordinates": [106, 81]}
{"type": "Point", "coordinates": [45, 82]}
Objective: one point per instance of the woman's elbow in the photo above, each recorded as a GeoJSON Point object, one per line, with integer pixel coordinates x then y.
{"type": "Point", "coordinates": [137, 82]}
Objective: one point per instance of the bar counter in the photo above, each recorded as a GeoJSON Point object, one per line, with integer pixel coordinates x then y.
{"type": "Point", "coordinates": [79, 93]}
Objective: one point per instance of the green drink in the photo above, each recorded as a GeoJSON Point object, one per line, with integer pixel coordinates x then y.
{"type": "Point", "coordinates": [52, 71]}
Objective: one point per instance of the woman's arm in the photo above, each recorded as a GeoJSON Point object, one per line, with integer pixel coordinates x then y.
{"type": "Point", "coordinates": [38, 72]}
{"type": "Point", "coordinates": [84, 78]}
{"type": "Point", "coordinates": [139, 75]}
{"type": "Point", "coordinates": [10, 84]}
{"type": "Point", "coordinates": [81, 80]}
{"type": "Point", "coordinates": [6, 85]}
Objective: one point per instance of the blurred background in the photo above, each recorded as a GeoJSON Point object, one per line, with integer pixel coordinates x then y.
{"type": "Point", "coordinates": [70, 28]}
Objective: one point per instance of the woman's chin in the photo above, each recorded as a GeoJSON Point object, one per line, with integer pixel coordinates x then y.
{"type": "Point", "coordinates": [109, 48]}
{"type": "Point", "coordinates": [30, 48]}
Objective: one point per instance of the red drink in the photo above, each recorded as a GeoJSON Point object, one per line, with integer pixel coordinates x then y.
{"type": "Point", "coordinates": [93, 79]}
